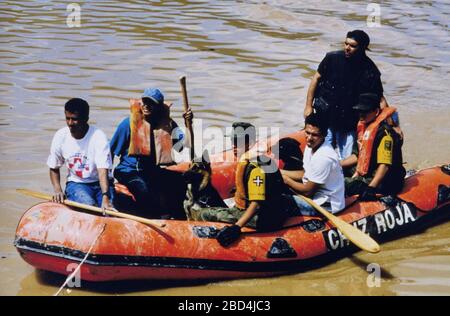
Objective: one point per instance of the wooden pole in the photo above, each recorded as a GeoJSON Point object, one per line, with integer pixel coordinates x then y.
{"type": "Point", "coordinates": [186, 108]}
{"type": "Point", "coordinates": [44, 196]}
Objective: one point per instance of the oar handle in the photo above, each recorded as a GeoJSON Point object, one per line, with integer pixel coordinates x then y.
{"type": "Point", "coordinates": [186, 108]}
{"type": "Point", "coordinates": [44, 196]}
{"type": "Point", "coordinates": [184, 92]}
{"type": "Point", "coordinates": [112, 213]}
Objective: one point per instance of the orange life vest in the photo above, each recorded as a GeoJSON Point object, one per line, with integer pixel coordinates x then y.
{"type": "Point", "coordinates": [240, 194]}
{"type": "Point", "coordinates": [142, 131]}
{"type": "Point", "coordinates": [366, 139]}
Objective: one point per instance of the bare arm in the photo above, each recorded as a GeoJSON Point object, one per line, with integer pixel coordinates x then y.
{"type": "Point", "coordinates": [349, 162]}
{"type": "Point", "coordinates": [382, 170]}
{"type": "Point", "coordinates": [310, 95]}
{"type": "Point", "coordinates": [55, 178]}
{"type": "Point", "coordinates": [188, 118]}
{"type": "Point", "coordinates": [248, 214]}
{"type": "Point", "coordinates": [307, 189]}
{"type": "Point", "coordinates": [104, 185]}
{"type": "Point", "coordinates": [383, 102]}
{"type": "Point", "coordinates": [293, 174]}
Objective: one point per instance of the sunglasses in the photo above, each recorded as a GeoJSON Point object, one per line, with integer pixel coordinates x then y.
{"type": "Point", "coordinates": [148, 102]}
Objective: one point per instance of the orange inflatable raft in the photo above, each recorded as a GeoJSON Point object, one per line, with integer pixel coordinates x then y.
{"type": "Point", "coordinates": [52, 236]}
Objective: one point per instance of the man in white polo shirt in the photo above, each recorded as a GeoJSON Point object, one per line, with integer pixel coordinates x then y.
{"type": "Point", "coordinates": [323, 179]}
{"type": "Point", "coordinates": [84, 149]}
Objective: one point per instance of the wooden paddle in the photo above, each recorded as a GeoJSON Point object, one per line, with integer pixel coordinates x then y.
{"type": "Point", "coordinates": [356, 236]}
{"type": "Point", "coordinates": [186, 108]}
{"type": "Point", "coordinates": [44, 196]}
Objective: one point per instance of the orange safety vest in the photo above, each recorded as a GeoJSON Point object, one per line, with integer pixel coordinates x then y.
{"type": "Point", "coordinates": [240, 194]}
{"type": "Point", "coordinates": [141, 132]}
{"type": "Point", "coordinates": [366, 139]}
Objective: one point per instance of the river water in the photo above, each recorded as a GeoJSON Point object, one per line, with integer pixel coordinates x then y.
{"type": "Point", "coordinates": [244, 60]}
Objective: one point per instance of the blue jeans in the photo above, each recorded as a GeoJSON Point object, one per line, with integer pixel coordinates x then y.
{"type": "Point", "coordinates": [344, 142]}
{"type": "Point", "coordinates": [304, 208]}
{"type": "Point", "coordinates": [87, 193]}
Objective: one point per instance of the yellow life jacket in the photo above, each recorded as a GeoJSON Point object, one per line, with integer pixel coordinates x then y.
{"type": "Point", "coordinates": [243, 190]}
{"type": "Point", "coordinates": [366, 139]}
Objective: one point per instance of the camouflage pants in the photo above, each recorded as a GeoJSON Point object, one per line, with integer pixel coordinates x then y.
{"type": "Point", "coordinates": [221, 214]}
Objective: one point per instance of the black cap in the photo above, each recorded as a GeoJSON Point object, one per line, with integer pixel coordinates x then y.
{"type": "Point", "coordinates": [242, 129]}
{"type": "Point", "coordinates": [368, 102]}
{"type": "Point", "coordinates": [289, 152]}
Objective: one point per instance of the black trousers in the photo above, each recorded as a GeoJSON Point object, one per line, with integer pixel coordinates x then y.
{"type": "Point", "coordinates": [158, 191]}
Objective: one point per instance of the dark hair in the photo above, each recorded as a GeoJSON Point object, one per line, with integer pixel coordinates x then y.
{"type": "Point", "coordinates": [287, 147]}
{"type": "Point", "coordinates": [79, 106]}
{"type": "Point", "coordinates": [317, 121]}
{"type": "Point", "coordinates": [288, 150]}
{"type": "Point", "coordinates": [361, 37]}
{"type": "Point", "coordinates": [243, 130]}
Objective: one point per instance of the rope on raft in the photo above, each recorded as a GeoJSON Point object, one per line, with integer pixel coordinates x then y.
{"type": "Point", "coordinates": [70, 277]}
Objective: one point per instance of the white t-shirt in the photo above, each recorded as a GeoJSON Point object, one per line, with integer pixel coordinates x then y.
{"type": "Point", "coordinates": [81, 156]}
{"type": "Point", "coordinates": [323, 168]}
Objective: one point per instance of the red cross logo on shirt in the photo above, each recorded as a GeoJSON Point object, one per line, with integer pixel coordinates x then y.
{"type": "Point", "coordinates": [77, 166]}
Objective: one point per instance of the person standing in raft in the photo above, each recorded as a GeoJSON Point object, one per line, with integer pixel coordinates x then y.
{"type": "Point", "coordinates": [377, 154]}
{"type": "Point", "coordinates": [323, 178]}
{"type": "Point", "coordinates": [144, 142]}
{"type": "Point", "coordinates": [334, 89]}
{"type": "Point", "coordinates": [85, 151]}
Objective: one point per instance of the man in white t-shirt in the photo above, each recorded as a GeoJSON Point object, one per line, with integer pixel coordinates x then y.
{"type": "Point", "coordinates": [323, 179]}
{"type": "Point", "coordinates": [85, 151]}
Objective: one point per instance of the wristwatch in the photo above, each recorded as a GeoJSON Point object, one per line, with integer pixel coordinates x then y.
{"type": "Point", "coordinates": [106, 194]}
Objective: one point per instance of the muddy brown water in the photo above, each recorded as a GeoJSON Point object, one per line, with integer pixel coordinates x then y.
{"type": "Point", "coordinates": [244, 60]}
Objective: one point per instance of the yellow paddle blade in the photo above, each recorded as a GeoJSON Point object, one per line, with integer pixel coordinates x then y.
{"type": "Point", "coordinates": [353, 234]}
{"type": "Point", "coordinates": [356, 236]}
{"type": "Point", "coordinates": [35, 194]}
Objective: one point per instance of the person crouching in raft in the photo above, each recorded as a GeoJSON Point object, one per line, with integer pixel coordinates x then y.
{"type": "Point", "coordinates": [377, 154]}
{"type": "Point", "coordinates": [144, 142]}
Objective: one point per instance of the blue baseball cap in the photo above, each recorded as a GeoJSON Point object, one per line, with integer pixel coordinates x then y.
{"type": "Point", "coordinates": [154, 94]}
